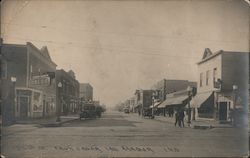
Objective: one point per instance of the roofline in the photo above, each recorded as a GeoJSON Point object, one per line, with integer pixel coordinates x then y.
{"type": "Point", "coordinates": [210, 57]}
{"type": "Point", "coordinates": [65, 72]}
{"type": "Point", "coordinates": [218, 53]}
{"type": "Point", "coordinates": [86, 84]}
{"type": "Point", "coordinates": [17, 45]}
{"type": "Point", "coordinates": [33, 46]}
{"type": "Point", "coordinates": [25, 46]}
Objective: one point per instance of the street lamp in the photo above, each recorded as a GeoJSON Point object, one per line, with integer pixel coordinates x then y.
{"type": "Point", "coordinates": [189, 89]}
{"type": "Point", "coordinates": [59, 85]}
{"type": "Point", "coordinates": [153, 97]}
{"type": "Point", "coordinates": [235, 88]}
{"type": "Point", "coordinates": [13, 80]}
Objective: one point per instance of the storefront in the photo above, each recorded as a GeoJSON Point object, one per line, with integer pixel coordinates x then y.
{"type": "Point", "coordinates": [173, 103]}
{"type": "Point", "coordinates": [213, 105]}
{"type": "Point", "coordinates": [31, 103]}
{"type": "Point", "coordinates": [203, 105]}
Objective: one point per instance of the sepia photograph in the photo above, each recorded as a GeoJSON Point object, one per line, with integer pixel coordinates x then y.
{"type": "Point", "coordinates": [124, 78]}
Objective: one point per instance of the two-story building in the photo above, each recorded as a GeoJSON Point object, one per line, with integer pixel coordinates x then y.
{"type": "Point", "coordinates": [32, 72]}
{"type": "Point", "coordinates": [177, 100]}
{"type": "Point", "coordinates": [143, 100]}
{"type": "Point", "coordinates": [86, 92]}
{"type": "Point", "coordinates": [222, 86]}
{"type": "Point", "coordinates": [67, 92]}
{"type": "Point", "coordinates": [167, 86]}
{"type": "Point", "coordinates": [7, 93]}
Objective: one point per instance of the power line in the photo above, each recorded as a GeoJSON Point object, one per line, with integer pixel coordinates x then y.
{"type": "Point", "coordinates": [109, 46]}
{"type": "Point", "coordinates": [121, 34]}
{"type": "Point", "coordinates": [18, 11]}
{"type": "Point", "coordinates": [110, 49]}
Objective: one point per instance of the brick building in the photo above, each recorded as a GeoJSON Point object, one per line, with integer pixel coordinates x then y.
{"type": "Point", "coordinates": [34, 72]}
{"type": "Point", "coordinates": [7, 93]}
{"type": "Point", "coordinates": [86, 92]}
{"type": "Point", "coordinates": [166, 86]}
{"type": "Point", "coordinates": [143, 100]}
{"type": "Point", "coordinates": [68, 93]}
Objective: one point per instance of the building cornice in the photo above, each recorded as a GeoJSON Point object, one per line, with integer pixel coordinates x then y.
{"type": "Point", "coordinates": [216, 54]}
{"type": "Point", "coordinates": [39, 54]}
{"type": "Point", "coordinates": [64, 73]}
{"type": "Point", "coordinates": [210, 57]}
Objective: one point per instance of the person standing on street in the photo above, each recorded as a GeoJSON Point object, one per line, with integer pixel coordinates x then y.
{"type": "Point", "coordinates": [181, 117]}
{"type": "Point", "coordinates": [177, 118]}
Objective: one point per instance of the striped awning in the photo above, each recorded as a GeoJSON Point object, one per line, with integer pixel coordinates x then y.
{"type": "Point", "coordinates": [137, 106]}
{"type": "Point", "coordinates": [200, 99]}
{"type": "Point", "coordinates": [155, 104]}
{"type": "Point", "coordinates": [177, 100]}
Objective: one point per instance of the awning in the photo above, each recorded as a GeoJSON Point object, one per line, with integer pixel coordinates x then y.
{"type": "Point", "coordinates": [155, 104]}
{"type": "Point", "coordinates": [173, 101]}
{"type": "Point", "coordinates": [137, 106]}
{"type": "Point", "coordinates": [200, 98]}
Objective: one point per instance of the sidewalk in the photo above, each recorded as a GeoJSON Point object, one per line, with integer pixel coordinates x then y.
{"type": "Point", "coordinates": [197, 124]}
{"type": "Point", "coordinates": [207, 124]}
{"type": "Point", "coordinates": [49, 121]}
{"type": "Point", "coordinates": [165, 119]}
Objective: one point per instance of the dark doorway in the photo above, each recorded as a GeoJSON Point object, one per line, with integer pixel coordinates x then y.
{"type": "Point", "coordinates": [223, 111]}
{"type": "Point", "coordinates": [24, 102]}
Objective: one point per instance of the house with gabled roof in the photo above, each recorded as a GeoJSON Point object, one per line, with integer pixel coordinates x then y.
{"type": "Point", "coordinates": [222, 85]}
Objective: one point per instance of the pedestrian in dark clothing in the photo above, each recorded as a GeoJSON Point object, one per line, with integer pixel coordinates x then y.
{"type": "Point", "coordinates": [172, 112]}
{"type": "Point", "coordinates": [181, 118]}
{"type": "Point", "coordinates": [177, 118]}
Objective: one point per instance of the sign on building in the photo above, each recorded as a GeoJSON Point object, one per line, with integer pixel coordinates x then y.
{"type": "Point", "coordinates": [37, 102]}
{"type": "Point", "coordinates": [43, 80]}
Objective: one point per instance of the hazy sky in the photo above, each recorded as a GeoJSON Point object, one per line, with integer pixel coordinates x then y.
{"type": "Point", "coordinates": [120, 46]}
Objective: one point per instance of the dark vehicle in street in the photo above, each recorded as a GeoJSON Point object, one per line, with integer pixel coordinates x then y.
{"type": "Point", "coordinates": [99, 111]}
{"type": "Point", "coordinates": [88, 110]}
{"type": "Point", "coordinates": [148, 113]}
{"type": "Point", "coordinates": [126, 110]}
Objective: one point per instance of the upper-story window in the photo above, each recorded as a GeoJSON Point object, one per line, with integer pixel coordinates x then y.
{"type": "Point", "coordinates": [201, 78]}
{"type": "Point", "coordinates": [207, 77]}
{"type": "Point", "coordinates": [214, 74]}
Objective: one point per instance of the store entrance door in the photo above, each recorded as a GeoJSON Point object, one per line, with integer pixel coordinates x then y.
{"type": "Point", "coordinates": [24, 103]}
{"type": "Point", "coordinates": [223, 111]}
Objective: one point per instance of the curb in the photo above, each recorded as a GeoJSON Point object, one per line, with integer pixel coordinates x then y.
{"type": "Point", "coordinates": [202, 126]}
{"type": "Point", "coordinates": [57, 124]}
{"type": "Point", "coordinates": [209, 126]}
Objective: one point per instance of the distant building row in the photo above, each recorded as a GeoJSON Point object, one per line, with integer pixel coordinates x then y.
{"type": "Point", "coordinates": [223, 87]}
